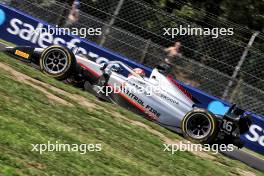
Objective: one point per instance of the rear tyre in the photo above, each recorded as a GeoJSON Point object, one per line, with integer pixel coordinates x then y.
{"type": "Point", "coordinates": [57, 62]}
{"type": "Point", "coordinates": [199, 126]}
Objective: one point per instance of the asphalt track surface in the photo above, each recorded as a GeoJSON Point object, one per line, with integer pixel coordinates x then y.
{"type": "Point", "coordinates": [246, 158]}
{"type": "Point", "coordinates": [242, 156]}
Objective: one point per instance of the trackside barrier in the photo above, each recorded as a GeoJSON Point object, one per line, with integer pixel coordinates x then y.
{"type": "Point", "coordinates": [19, 28]}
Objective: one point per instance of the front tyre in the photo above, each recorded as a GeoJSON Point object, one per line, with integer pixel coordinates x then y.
{"type": "Point", "coordinates": [199, 126]}
{"type": "Point", "coordinates": [57, 62]}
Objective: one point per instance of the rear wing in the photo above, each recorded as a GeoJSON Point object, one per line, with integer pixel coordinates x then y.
{"type": "Point", "coordinates": [24, 53]}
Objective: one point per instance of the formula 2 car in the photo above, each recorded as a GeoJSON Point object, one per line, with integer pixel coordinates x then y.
{"type": "Point", "coordinates": [157, 97]}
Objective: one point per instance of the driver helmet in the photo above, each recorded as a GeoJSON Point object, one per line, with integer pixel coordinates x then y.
{"type": "Point", "coordinates": [139, 71]}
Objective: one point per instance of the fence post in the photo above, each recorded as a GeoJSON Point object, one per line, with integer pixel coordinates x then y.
{"type": "Point", "coordinates": [239, 65]}
{"type": "Point", "coordinates": [145, 51]}
{"type": "Point", "coordinates": [234, 94]}
{"type": "Point", "coordinates": [112, 21]}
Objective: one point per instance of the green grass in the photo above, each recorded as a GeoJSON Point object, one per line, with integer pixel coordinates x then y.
{"type": "Point", "coordinates": [28, 117]}
{"type": "Point", "coordinates": [6, 43]}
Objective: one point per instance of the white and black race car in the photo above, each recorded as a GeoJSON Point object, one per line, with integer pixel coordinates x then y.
{"type": "Point", "coordinates": [157, 97]}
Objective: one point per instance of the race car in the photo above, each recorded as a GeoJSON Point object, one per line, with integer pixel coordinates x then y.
{"type": "Point", "coordinates": [157, 97]}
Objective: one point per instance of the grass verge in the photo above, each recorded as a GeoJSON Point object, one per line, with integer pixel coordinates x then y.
{"type": "Point", "coordinates": [27, 116]}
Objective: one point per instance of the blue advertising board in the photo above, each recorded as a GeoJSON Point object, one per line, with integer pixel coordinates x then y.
{"type": "Point", "coordinates": [20, 29]}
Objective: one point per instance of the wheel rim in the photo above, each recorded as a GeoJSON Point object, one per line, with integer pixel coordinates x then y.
{"type": "Point", "coordinates": [55, 61]}
{"type": "Point", "coordinates": [198, 126]}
